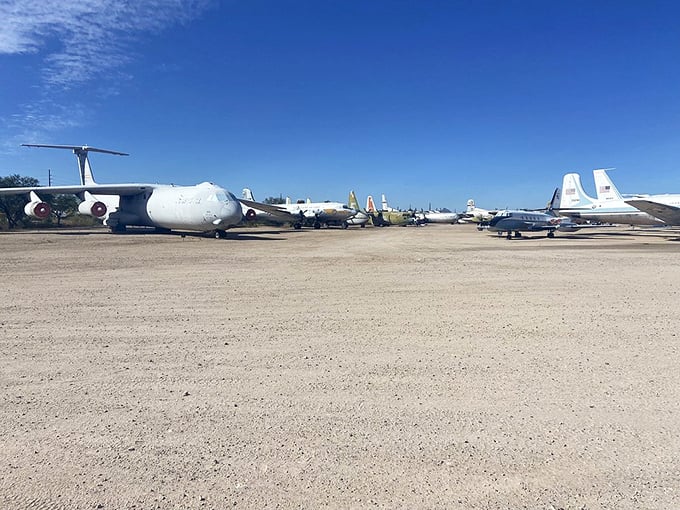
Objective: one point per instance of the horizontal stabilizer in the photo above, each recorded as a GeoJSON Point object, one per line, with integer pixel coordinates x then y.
{"type": "Point", "coordinates": [75, 148]}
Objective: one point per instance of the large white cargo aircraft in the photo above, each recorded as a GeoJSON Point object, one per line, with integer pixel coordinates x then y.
{"type": "Point", "coordinates": [204, 207]}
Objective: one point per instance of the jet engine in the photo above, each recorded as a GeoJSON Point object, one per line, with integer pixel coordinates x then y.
{"type": "Point", "coordinates": [37, 209]}
{"type": "Point", "coordinates": [251, 215]}
{"type": "Point", "coordinates": [92, 208]}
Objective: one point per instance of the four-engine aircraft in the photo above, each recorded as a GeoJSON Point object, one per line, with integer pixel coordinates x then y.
{"type": "Point", "coordinates": [476, 214]}
{"type": "Point", "coordinates": [575, 203]}
{"type": "Point", "coordinates": [665, 207]}
{"type": "Point", "coordinates": [301, 212]}
{"type": "Point", "coordinates": [204, 207]}
{"type": "Point", "coordinates": [388, 216]}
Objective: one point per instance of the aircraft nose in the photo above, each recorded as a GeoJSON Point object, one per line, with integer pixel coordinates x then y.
{"type": "Point", "coordinates": [231, 212]}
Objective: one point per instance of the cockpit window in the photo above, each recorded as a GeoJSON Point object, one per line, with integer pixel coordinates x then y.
{"type": "Point", "coordinates": [222, 197]}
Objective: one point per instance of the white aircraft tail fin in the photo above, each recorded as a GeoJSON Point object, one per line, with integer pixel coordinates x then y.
{"type": "Point", "coordinates": [470, 205]}
{"type": "Point", "coordinates": [370, 206]}
{"type": "Point", "coordinates": [606, 191]}
{"type": "Point", "coordinates": [288, 201]}
{"type": "Point", "coordinates": [573, 194]}
{"type": "Point", "coordinates": [309, 200]}
{"type": "Point", "coordinates": [247, 194]}
{"type": "Point", "coordinates": [383, 203]}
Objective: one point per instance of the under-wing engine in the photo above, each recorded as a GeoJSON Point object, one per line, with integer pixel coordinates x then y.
{"type": "Point", "coordinates": [92, 208]}
{"type": "Point", "coordinates": [37, 208]}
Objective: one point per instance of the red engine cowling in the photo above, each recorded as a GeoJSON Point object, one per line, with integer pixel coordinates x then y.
{"type": "Point", "coordinates": [38, 209]}
{"type": "Point", "coordinates": [92, 208]}
{"type": "Point", "coordinates": [251, 215]}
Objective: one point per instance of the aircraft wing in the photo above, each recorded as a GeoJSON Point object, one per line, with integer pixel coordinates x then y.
{"type": "Point", "coordinates": [667, 213]}
{"type": "Point", "coordinates": [95, 189]}
{"type": "Point", "coordinates": [272, 209]}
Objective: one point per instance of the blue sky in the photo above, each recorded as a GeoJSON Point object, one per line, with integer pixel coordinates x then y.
{"type": "Point", "coordinates": [429, 102]}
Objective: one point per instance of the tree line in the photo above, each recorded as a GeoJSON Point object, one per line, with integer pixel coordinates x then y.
{"type": "Point", "coordinates": [12, 206]}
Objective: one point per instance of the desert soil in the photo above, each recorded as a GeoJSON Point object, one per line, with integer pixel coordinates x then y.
{"type": "Point", "coordinates": [435, 367]}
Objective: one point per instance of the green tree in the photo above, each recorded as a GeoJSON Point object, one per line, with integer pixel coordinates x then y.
{"type": "Point", "coordinates": [12, 206]}
{"type": "Point", "coordinates": [63, 206]}
{"type": "Point", "coordinates": [274, 200]}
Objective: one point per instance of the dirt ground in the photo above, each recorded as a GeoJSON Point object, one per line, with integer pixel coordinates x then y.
{"type": "Point", "coordinates": [434, 367]}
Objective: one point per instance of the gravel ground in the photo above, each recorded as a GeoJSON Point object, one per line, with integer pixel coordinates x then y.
{"type": "Point", "coordinates": [434, 367]}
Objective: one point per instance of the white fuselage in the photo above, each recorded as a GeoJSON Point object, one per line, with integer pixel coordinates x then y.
{"type": "Point", "coordinates": [440, 217]}
{"type": "Point", "coordinates": [321, 211]}
{"type": "Point", "coordinates": [200, 208]}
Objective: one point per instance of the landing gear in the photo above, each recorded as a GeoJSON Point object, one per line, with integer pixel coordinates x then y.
{"type": "Point", "coordinates": [118, 229]}
{"type": "Point", "coordinates": [345, 225]}
{"type": "Point", "coordinates": [363, 225]}
{"type": "Point", "coordinates": [297, 226]}
{"type": "Point", "coordinates": [317, 225]}
{"type": "Point", "coordinates": [551, 234]}
{"type": "Point", "coordinates": [518, 235]}
{"type": "Point", "coordinates": [220, 234]}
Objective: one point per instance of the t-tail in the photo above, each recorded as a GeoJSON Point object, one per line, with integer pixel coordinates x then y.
{"type": "Point", "coordinates": [606, 191]}
{"type": "Point", "coordinates": [86, 177]}
{"type": "Point", "coordinates": [573, 194]}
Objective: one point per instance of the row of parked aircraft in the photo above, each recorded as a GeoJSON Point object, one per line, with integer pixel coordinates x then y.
{"type": "Point", "coordinates": [207, 207]}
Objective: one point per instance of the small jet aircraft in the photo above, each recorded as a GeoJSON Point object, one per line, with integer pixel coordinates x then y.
{"type": "Point", "coordinates": [301, 212]}
{"type": "Point", "coordinates": [519, 221]}
{"type": "Point", "coordinates": [611, 208]}
{"type": "Point", "coordinates": [204, 207]}
{"type": "Point", "coordinates": [388, 216]}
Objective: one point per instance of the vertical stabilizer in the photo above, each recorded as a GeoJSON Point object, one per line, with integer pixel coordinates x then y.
{"type": "Point", "coordinates": [384, 203]}
{"type": "Point", "coordinates": [288, 201]}
{"type": "Point", "coordinates": [573, 194]}
{"type": "Point", "coordinates": [370, 206]}
{"type": "Point", "coordinates": [606, 191]}
{"type": "Point", "coordinates": [470, 206]}
{"type": "Point", "coordinates": [246, 194]}
{"type": "Point", "coordinates": [353, 203]}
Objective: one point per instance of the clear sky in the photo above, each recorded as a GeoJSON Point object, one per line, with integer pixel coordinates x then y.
{"type": "Point", "coordinates": [426, 101]}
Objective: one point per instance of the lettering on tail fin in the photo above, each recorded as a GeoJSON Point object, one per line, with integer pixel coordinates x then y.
{"type": "Point", "coordinates": [606, 191]}
{"type": "Point", "coordinates": [246, 194]}
{"type": "Point", "coordinates": [370, 206]}
{"type": "Point", "coordinates": [573, 194]}
{"type": "Point", "coordinates": [470, 205]}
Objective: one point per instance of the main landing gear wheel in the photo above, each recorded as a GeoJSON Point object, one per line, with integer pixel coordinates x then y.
{"type": "Point", "coordinates": [518, 235]}
{"type": "Point", "coordinates": [220, 234]}
{"type": "Point", "coordinates": [317, 225]}
{"type": "Point", "coordinates": [297, 226]}
{"type": "Point", "coordinates": [551, 234]}
{"type": "Point", "coordinates": [344, 224]}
